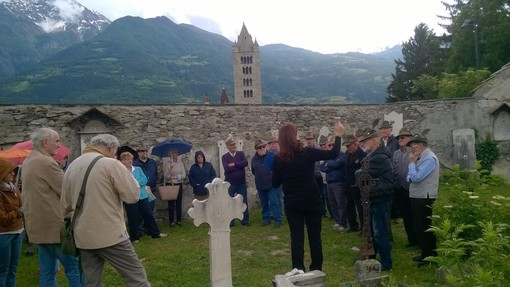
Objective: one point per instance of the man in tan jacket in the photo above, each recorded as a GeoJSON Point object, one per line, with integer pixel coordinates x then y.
{"type": "Point", "coordinates": [42, 183]}
{"type": "Point", "coordinates": [100, 229]}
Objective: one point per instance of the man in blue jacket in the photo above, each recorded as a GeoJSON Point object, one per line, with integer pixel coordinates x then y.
{"type": "Point", "coordinates": [261, 168]}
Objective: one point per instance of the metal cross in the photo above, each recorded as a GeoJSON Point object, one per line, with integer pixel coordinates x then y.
{"type": "Point", "coordinates": [365, 183]}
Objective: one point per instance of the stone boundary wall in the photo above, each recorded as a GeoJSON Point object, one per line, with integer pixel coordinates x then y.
{"type": "Point", "coordinates": [206, 125]}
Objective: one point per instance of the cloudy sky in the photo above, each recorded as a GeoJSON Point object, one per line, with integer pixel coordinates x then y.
{"type": "Point", "coordinates": [325, 26]}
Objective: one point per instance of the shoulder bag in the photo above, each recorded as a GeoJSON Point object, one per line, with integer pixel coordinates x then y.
{"type": "Point", "coordinates": [168, 192]}
{"type": "Point", "coordinates": [67, 242]}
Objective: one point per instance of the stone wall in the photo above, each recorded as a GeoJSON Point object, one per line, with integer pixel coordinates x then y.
{"type": "Point", "coordinates": [206, 125]}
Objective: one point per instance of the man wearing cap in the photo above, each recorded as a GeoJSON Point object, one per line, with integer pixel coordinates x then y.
{"type": "Point", "coordinates": [272, 146]}
{"type": "Point", "coordinates": [401, 195]}
{"type": "Point", "coordinates": [389, 141]}
{"type": "Point", "coordinates": [335, 192]}
{"type": "Point", "coordinates": [261, 168]}
{"type": "Point", "coordinates": [234, 163]}
{"type": "Point", "coordinates": [310, 142]}
{"type": "Point", "coordinates": [380, 194]}
{"type": "Point", "coordinates": [149, 168]}
{"type": "Point", "coordinates": [353, 196]}
{"type": "Point", "coordinates": [423, 177]}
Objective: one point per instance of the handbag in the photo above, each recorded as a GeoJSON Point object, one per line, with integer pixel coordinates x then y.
{"type": "Point", "coordinates": [67, 243]}
{"type": "Point", "coordinates": [168, 192]}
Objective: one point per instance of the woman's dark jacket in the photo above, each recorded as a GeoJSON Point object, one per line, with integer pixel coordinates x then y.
{"type": "Point", "coordinates": [200, 176]}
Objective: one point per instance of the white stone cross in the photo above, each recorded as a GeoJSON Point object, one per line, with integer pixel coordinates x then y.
{"type": "Point", "coordinates": [218, 211]}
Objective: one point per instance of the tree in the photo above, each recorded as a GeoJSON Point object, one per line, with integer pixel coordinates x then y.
{"type": "Point", "coordinates": [424, 54]}
{"type": "Point", "coordinates": [492, 20]}
{"type": "Point", "coordinates": [461, 84]}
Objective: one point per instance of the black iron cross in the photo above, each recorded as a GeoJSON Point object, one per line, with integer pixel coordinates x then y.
{"type": "Point", "coordinates": [365, 182]}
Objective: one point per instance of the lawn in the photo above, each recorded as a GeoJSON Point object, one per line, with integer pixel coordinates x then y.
{"type": "Point", "coordinates": [258, 254]}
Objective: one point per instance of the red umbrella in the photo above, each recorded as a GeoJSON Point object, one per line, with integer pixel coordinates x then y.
{"type": "Point", "coordinates": [62, 150]}
{"type": "Point", "coordinates": [16, 156]}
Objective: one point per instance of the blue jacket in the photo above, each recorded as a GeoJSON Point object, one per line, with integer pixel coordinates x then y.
{"type": "Point", "coordinates": [261, 168]}
{"type": "Point", "coordinates": [150, 169]}
{"type": "Point", "coordinates": [335, 168]}
{"type": "Point", "coordinates": [200, 176]}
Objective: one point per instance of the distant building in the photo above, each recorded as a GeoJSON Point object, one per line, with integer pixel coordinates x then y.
{"type": "Point", "coordinates": [224, 98]}
{"type": "Point", "coordinates": [246, 60]}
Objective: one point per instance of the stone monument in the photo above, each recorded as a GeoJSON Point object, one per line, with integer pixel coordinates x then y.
{"type": "Point", "coordinates": [217, 211]}
{"type": "Point", "coordinates": [368, 271]}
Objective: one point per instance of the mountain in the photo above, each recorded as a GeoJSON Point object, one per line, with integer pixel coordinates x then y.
{"type": "Point", "coordinates": [151, 61]}
{"type": "Point", "coordinates": [36, 29]}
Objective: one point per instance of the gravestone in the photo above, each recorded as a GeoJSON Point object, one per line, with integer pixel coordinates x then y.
{"type": "Point", "coordinates": [464, 153]}
{"type": "Point", "coordinates": [314, 278]}
{"type": "Point", "coordinates": [368, 271]}
{"type": "Point", "coordinates": [398, 121]}
{"type": "Point", "coordinates": [217, 211]}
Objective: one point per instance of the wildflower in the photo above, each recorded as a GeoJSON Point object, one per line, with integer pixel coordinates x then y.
{"type": "Point", "coordinates": [448, 206]}
{"type": "Point", "coordinates": [474, 196]}
{"type": "Point", "coordinates": [495, 203]}
{"type": "Point", "coordinates": [467, 192]}
{"type": "Point", "coordinates": [498, 197]}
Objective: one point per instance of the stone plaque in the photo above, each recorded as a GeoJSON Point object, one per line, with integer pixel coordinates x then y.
{"type": "Point", "coordinates": [502, 125]}
{"type": "Point", "coordinates": [464, 153]}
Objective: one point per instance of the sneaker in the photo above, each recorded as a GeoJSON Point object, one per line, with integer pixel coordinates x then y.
{"type": "Point", "coordinates": [172, 224]}
{"type": "Point", "coordinates": [162, 235]}
{"type": "Point", "coordinates": [178, 223]}
{"type": "Point", "coordinates": [342, 229]}
{"type": "Point", "coordinates": [277, 224]}
{"type": "Point", "coordinates": [265, 223]}
{"type": "Point", "coordinates": [335, 226]}
{"type": "Point", "coordinates": [294, 272]}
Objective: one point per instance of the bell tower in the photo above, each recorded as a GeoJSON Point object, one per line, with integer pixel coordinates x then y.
{"type": "Point", "coordinates": [246, 61]}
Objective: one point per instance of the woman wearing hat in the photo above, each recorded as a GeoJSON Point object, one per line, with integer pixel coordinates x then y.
{"type": "Point", "coordinates": [11, 224]}
{"type": "Point", "coordinates": [294, 169]}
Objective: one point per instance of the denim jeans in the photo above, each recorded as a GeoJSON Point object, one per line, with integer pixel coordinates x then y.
{"type": "Point", "coordinates": [48, 254]}
{"type": "Point", "coordinates": [380, 223]}
{"type": "Point", "coordinates": [270, 204]}
{"type": "Point", "coordinates": [10, 249]}
{"type": "Point", "coordinates": [233, 190]}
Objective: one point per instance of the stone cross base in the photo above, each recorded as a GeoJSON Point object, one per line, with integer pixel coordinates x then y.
{"type": "Point", "coordinates": [368, 273]}
{"type": "Point", "coordinates": [310, 279]}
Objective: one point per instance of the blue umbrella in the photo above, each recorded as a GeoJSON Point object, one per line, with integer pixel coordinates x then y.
{"type": "Point", "coordinates": [162, 149]}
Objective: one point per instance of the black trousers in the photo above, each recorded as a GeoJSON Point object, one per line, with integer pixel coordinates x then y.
{"type": "Point", "coordinates": [298, 215]}
{"type": "Point", "coordinates": [404, 205]}
{"type": "Point", "coordinates": [354, 204]}
{"type": "Point", "coordinates": [175, 208]}
{"type": "Point", "coordinates": [422, 218]}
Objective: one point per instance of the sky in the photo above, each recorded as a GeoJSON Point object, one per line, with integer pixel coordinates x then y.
{"type": "Point", "coordinates": [324, 26]}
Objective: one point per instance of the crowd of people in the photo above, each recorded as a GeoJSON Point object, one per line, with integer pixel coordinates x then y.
{"type": "Point", "coordinates": [294, 179]}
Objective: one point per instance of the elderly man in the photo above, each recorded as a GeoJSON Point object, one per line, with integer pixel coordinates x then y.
{"type": "Point", "coordinates": [234, 164]}
{"type": "Point", "coordinates": [149, 168]}
{"type": "Point", "coordinates": [42, 183]}
{"type": "Point", "coordinates": [100, 228]}
{"type": "Point", "coordinates": [353, 196]}
{"type": "Point", "coordinates": [401, 195]}
{"type": "Point", "coordinates": [381, 171]}
{"type": "Point", "coordinates": [261, 168]}
{"type": "Point", "coordinates": [423, 178]}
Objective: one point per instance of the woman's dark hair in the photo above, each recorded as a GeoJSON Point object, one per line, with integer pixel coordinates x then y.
{"type": "Point", "coordinates": [288, 141]}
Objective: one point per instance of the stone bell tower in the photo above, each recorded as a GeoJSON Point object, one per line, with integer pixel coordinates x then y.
{"type": "Point", "coordinates": [246, 60]}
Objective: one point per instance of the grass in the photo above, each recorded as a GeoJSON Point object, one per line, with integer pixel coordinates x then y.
{"type": "Point", "coordinates": [258, 254]}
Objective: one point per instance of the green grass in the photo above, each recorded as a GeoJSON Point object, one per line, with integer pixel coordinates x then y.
{"type": "Point", "coordinates": [258, 254]}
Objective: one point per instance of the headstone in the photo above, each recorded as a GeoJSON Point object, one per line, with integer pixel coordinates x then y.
{"type": "Point", "coordinates": [314, 278]}
{"type": "Point", "coordinates": [368, 271]}
{"type": "Point", "coordinates": [397, 119]}
{"type": "Point", "coordinates": [217, 211]}
{"type": "Point", "coordinates": [501, 122]}
{"type": "Point", "coordinates": [464, 153]}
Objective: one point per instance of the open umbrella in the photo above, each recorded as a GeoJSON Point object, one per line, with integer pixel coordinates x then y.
{"type": "Point", "coordinates": [62, 150]}
{"type": "Point", "coordinates": [16, 156]}
{"type": "Point", "coordinates": [162, 149]}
